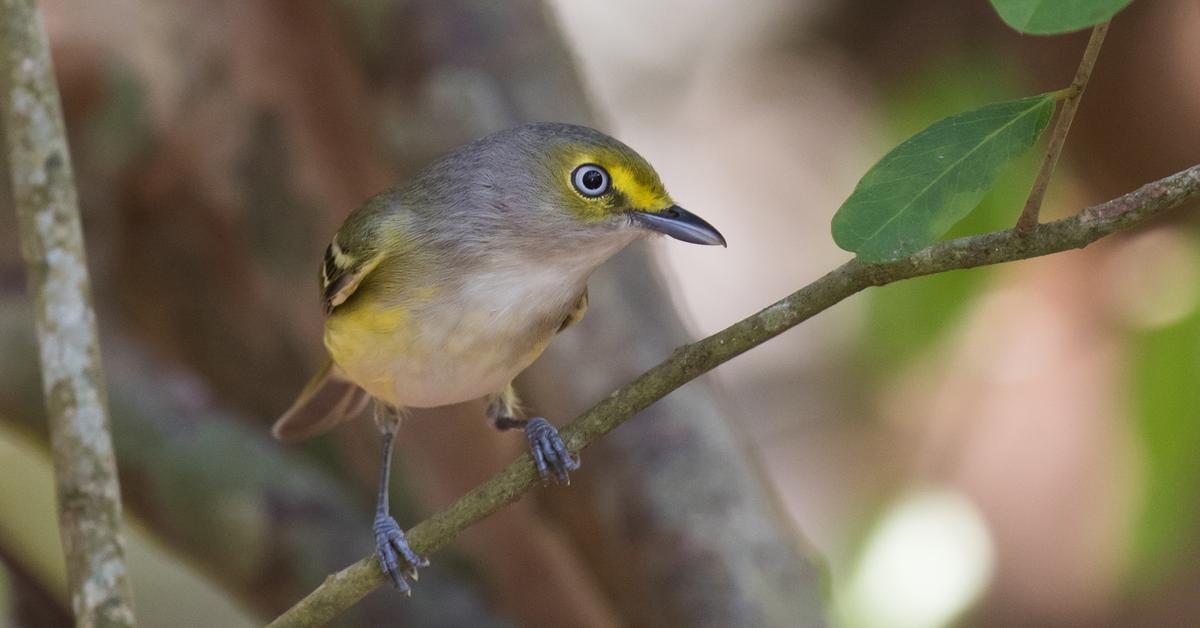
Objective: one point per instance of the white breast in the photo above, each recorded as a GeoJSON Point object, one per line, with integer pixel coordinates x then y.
{"type": "Point", "coordinates": [475, 344]}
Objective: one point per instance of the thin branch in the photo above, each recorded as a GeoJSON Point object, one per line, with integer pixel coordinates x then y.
{"type": "Point", "coordinates": [89, 500]}
{"type": "Point", "coordinates": [344, 588]}
{"type": "Point", "coordinates": [1071, 97]}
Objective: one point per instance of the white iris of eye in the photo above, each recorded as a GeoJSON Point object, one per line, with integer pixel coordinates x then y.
{"type": "Point", "coordinates": [591, 180]}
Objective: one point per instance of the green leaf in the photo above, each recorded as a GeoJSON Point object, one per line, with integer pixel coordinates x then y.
{"type": "Point", "coordinates": [935, 178]}
{"type": "Point", "coordinates": [905, 320]}
{"type": "Point", "coordinates": [1051, 17]}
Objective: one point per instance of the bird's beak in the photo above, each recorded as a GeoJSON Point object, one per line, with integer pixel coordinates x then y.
{"type": "Point", "coordinates": [680, 224]}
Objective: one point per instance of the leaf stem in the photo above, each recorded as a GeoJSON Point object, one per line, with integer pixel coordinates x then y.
{"type": "Point", "coordinates": [1070, 97]}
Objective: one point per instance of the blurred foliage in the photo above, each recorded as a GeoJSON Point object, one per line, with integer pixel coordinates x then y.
{"type": "Point", "coordinates": [1164, 371]}
{"type": "Point", "coordinates": [119, 126]}
{"type": "Point", "coordinates": [927, 558]}
{"type": "Point", "coordinates": [905, 319]}
{"type": "Point", "coordinates": [30, 532]}
{"type": "Point", "coordinates": [5, 594]}
{"type": "Point", "coordinates": [932, 180]}
{"type": "Point", "coordinates": [169, 590]}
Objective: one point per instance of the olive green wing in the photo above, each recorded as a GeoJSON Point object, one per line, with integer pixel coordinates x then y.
{"type": "Point", "coordinates": [372, 232]}
{"type": "Point", "coordinates": [342, 272]}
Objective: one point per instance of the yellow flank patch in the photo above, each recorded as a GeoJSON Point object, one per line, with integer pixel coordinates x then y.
{"type": "Point", "coordinates": [353, 334]}
{"type": "Point", "coordinates": [641, 196]}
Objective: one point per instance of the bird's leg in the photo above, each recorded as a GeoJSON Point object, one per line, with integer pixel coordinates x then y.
{"type": "Point", "coordinates": [550, 453]}
{"type": "Point", "coordinates": [390, 545]}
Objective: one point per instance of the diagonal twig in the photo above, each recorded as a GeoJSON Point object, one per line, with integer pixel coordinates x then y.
{"type": "Point", "coordinates": [344, 588]}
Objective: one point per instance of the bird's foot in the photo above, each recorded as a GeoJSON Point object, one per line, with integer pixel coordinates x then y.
{"type": "Point", "coordinates": [395, 556]}
{"type": "Point", "coordinates": [550, 454]}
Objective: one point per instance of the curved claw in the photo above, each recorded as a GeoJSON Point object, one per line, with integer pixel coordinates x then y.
{"type": "Point", "coordinates": [550, 454]}
{"type": "Point", "coordinates": [395, 556]}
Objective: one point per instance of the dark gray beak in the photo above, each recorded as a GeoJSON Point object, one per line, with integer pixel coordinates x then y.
{"type": "Point", "coordinates": [680, 224]}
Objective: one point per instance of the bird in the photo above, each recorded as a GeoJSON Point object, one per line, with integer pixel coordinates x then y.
{"type": "Point", "coordinates": [442, 290]}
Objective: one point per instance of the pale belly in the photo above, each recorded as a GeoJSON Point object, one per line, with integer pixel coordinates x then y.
{"type": "Point", "coordinates": [441, 356]}
{"type": "Point", "coordinates": [455, 344]}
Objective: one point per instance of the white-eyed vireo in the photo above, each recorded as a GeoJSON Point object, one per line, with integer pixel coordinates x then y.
{"type": "Point", "coordinates": [443, 290]}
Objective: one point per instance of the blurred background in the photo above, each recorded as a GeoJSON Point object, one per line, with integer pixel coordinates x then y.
{"type": "Point", "coordinates": [1010, 446]}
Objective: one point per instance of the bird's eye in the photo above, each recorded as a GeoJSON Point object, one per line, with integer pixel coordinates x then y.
{"type": "Point", "coordinates": [590, 180]}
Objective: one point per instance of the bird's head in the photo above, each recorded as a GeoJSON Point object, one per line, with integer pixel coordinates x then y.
{"type": "Point", "coordinates": [554, 188]}
{"type": "Point", "coordinates": [559, 193]}
{"type": "Point", "coordinates": [597, 180]}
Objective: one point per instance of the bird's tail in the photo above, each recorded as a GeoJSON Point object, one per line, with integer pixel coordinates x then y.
{"type": "Point", "coordinates": [328, 399]}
